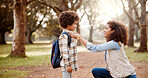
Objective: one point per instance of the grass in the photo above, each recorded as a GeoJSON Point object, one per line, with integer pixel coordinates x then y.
{"type": "Point", "coordinates": [13, 74]}
{"type": "Point", "coordinates": [135, 56]}
{"type": "Point", "coordinates": [9, 62]}
{"type": "Point", "coordinates": [5, 49]}
{"type": "Point", "coordinates": [31, 49]}
{"type": "Point", "coordinates": [37, 55]}
{"type": "Point", "coordinates": [12, 62]}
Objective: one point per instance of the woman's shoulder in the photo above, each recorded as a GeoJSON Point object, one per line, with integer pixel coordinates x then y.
{"type": "Point", "coordinates": [113, 42]}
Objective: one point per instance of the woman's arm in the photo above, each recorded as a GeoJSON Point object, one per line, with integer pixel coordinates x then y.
{"type": "Point", "coordinates": [82, 40]}
{"type": "Point", "coordinates": [111, 45]}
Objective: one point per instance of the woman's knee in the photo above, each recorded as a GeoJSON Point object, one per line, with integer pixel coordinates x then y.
{"type": "Point", "coordinates": [94, 70]}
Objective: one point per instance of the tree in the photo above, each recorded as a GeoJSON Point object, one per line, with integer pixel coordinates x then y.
{"type": "Point", "coordinates": [59, 6]}
{"type": "Point", "coordinates": [131, 22]}
{"type": "Point", "coordinates": [18, 45]}
{"type": "Point", "coordinates": [33, 11]}
{"type": "Point", "coordinates": [137, 19]}
{"type": "Point", "coordinates": [140, 21]}
{"type": "Point", "coordinates": [143, 25]}
{"type": "Point", "coordinates": [53, 27]}
{"type": "Point", "coordinates": [6, 21]}
{"type": "Point", "coordinates": [91, 15]}
{"type": "Point", "coordinates": [131, 26]}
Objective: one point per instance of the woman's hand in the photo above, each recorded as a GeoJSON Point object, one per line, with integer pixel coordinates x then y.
{"type": "Point", "coordinates": [78, 37]}
{"type": "Point", "coordinates": [74, 35]}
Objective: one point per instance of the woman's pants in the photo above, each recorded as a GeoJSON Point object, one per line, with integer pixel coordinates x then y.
{"type": "Point", "coordinates": [104, 73]}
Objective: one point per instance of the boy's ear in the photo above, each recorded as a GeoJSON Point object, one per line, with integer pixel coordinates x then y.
{"type": "Point", "coordinates": [68, 26]}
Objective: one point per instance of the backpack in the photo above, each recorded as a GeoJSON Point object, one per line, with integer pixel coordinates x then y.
{"type": "Point", "coordinates": [55, 54]}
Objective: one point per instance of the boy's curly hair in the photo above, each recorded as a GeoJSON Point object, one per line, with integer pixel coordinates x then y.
{"type": "Point", "coordinates": [67, 18]}
{"type": "Point", "coordinates": [120, 34]}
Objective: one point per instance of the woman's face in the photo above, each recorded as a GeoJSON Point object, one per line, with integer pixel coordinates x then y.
{"type": "Point", "coordinates": [107, 31]}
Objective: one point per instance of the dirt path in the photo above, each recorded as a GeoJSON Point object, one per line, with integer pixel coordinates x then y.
{"type": "Point", "coordinates": [87, 61]}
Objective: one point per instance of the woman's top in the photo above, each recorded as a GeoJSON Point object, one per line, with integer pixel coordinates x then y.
{"type": "Point", "coordinates": [117, 63]}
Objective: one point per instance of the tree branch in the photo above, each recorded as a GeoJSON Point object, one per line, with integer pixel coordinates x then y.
{"type": "Point", "coordinates": [40, 21]}
{"type": "Point", "coordinates": [33, 22]}
{"type": "Point", "coordinates": [126, 11]}
{"type": "Point", "coordinates": [65, 2]}
{"type": "Point", "coordinates": [74, 4]}
{"type": "Point", "coordinates": [27, 3]}
{"type": "Point", "coordinates": [55, 9]}
{"type": "Point", "coordinates": [135, 4]}
{"type": "Point", "coordinates": [136, 14]}
{"type": "Point", "coordinates": [78, 5]}
{"type": "Point", "coordinates": [82, 16]}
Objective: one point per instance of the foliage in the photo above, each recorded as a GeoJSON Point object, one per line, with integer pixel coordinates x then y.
{"type": "Point", "coordinates": [6, 21]}
{"type": "Point", "coordinates": [53, 27]}
{"type": "Point", "coordinates": [55, 7]}
{"type": "Point", "coordinates": [6, 15]}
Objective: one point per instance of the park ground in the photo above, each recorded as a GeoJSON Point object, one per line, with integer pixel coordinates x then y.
{"type": "Point", "coordinates": [37, 65]}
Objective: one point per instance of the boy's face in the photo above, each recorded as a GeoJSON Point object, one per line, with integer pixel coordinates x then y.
{"type": "Point", "coordinates": [73, 26]}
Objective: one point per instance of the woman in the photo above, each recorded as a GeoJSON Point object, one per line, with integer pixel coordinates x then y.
{"type": "Point", "coordinates": [118, 65]}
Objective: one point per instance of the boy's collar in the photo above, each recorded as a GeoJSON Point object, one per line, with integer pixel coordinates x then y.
{"type": "Point", "coordinates": [64, 30]}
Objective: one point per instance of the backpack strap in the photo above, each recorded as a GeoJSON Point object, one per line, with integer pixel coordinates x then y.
{"type": "Point", "coordinates": [69, 38]}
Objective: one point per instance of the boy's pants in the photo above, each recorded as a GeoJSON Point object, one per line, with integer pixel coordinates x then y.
{"type": "Point", "coordinates": [66, 74]}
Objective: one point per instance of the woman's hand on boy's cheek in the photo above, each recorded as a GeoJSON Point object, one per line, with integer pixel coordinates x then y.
{"type": "Point", "coordinates": [74, 35]}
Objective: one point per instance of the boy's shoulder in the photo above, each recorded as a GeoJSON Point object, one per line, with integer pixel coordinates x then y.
{"type": "Point", "coordinates": [63, 36]}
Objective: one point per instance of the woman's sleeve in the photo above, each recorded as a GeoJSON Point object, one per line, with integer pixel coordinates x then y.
{"type": "Point", "coordinates": [111, 45]}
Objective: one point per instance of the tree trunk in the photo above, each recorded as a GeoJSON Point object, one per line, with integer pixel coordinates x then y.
{"type": "Point", "coordinates": [78, 30]}
{"type": "Point", "coordinates": [91, 34]}
{"type": "Point", "coordinates": [143, 41]}
{"type": "Point", "coordinates": [136, 34]}
{"type": "Point", "coordinates": [131, 28]}
{"type": "Point", "coordinates": [2, 37]}
{"type": "Point", "coordinates": [28, 39]}
{"type": "Point", "coordinates": [18, 46]}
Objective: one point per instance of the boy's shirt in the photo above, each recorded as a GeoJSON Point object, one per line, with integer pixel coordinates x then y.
{"type": "Point", "coordinates": [69, 53]}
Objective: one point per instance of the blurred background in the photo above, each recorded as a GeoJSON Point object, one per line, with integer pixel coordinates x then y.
{"type": "Point", "coordinates": [42, 18]}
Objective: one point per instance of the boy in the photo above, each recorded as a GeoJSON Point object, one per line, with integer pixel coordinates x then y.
{"type": "Point", "coordinates": [68, 21]}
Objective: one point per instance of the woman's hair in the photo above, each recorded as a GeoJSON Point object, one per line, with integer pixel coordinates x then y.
{"type": "Point", "coordinates": [120, 32]}
{"type": "Point", "coordinates": [67, 18]}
